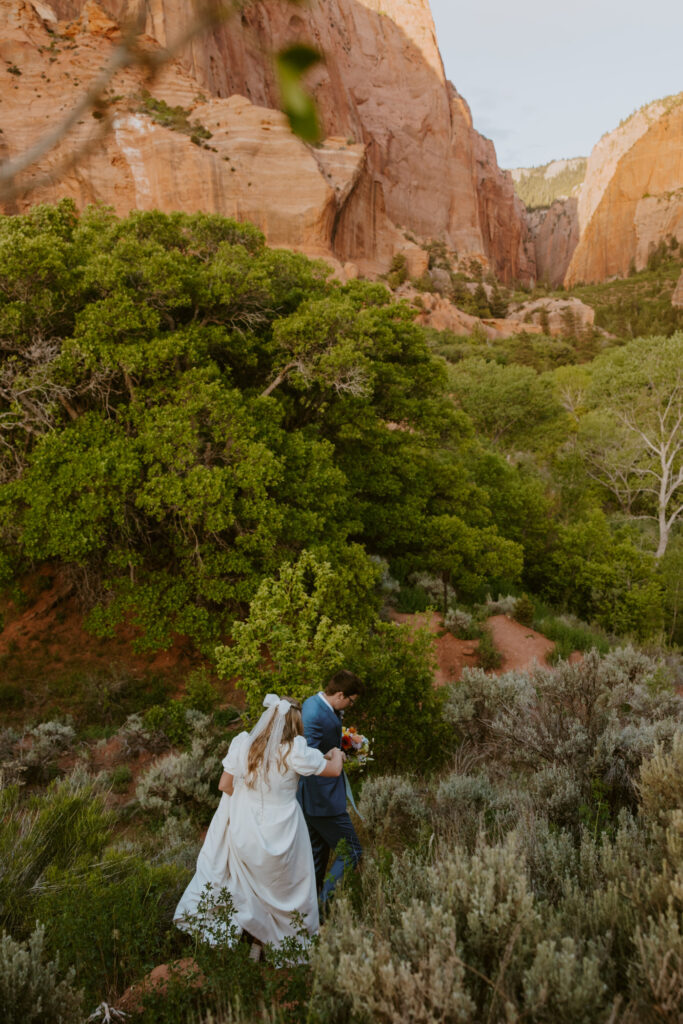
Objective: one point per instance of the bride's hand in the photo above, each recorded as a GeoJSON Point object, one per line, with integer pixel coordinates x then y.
{"type": "Point", "coordinates": [334, 754]}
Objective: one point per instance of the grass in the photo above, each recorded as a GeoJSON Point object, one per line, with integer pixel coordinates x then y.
{"type": "Point", "coordinates": [568, 634]}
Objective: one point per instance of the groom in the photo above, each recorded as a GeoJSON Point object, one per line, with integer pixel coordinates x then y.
{"type": "Point", "coordinates": [324, 799]}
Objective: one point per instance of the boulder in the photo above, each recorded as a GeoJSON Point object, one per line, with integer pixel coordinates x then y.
{"type": "Point", "coordinates": [561, 316]}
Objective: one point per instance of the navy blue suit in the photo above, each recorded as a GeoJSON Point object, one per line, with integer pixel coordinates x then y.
{"type": "Point", "coordinates": [324, 800]}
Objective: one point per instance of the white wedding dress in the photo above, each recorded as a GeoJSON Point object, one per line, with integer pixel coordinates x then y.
{"type": "Point", "coordinates": [257, 847]}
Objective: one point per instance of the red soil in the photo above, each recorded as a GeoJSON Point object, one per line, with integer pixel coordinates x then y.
{"type": "Point", "coordinates": [520, 646]}
{"type": "Point", "coordinates": [52, 629]}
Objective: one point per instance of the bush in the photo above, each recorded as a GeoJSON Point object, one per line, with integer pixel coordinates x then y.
{"type": "Point", "coordinates": [200, 693]}
{"type": "Point", "coordinates": [393, 809]}
{"type": "Point", "coordinates": [564, 983]}
{"type": "Point", "coordinates": [467, 806]}
{"type": "Point", "coordinates": [661, 781]}
{"type": "Point", "coordinates": [658, 980]}
{"type": "Point", "coordinates": [60, 827]}
{"type": "Point", "coordinates": [413, 599]}
{"type": "Point", "coordinates": [461, 624]}
{"type": "Point", "coordinates": [524, 610]}
{"type": "Point", "coordinates": [569, 635]}
{"type": "Point", "coordinates": [503, 606]}
{"type": "Point", "coordinates": [29, 986]}
{"type": "Point", "coordinates": [597, 720]}
{"type": "Point", "coordinates": [48, 741]}
{"type": "Point", "coordinates": [487, 652]}
{"type": "Point", "coordinates": [398, 272]}
{"type": "Point", "coordinates": [138, 737]}
{"type": "Point", "coordinates": [411, 972]}
{"type": "Point", "coordinates": [121, 778]}
{"type": "Point", "coordinates": [178, 783]}
{"type": "Point", "coordinates": [111, 920]}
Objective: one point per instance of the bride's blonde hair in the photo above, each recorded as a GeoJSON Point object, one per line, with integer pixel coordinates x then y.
{"type": "Point", "coordinates": [293, 727]}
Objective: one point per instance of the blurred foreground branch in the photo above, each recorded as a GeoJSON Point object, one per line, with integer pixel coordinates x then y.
{"type": "Point", "coordinates": [129, 52]}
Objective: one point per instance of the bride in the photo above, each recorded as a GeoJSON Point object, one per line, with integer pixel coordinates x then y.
{"type": "Point", "coordinates": [257, 846]}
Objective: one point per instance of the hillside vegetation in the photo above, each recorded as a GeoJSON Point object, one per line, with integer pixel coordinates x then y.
{"type": "Point", "coordinates": [210, 446]}
{"type": "Point", "coordinates": [539, 187]}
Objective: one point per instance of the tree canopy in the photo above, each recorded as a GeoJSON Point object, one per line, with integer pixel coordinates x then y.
{"type": "Point", "coordinates": [183, 409]}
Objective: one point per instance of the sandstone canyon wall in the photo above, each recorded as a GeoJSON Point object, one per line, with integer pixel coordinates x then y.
{"type": "Point", "coordinates": [630, 199]}
{"type": "Point", "coordinates": [401, 162]}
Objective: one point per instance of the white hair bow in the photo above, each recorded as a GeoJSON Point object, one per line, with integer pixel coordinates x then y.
{"type": "Point", "coordinates": [271, 700]}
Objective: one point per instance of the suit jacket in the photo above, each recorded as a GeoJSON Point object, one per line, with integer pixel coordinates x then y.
{"type": "Point", "coordinates": [323, 730]}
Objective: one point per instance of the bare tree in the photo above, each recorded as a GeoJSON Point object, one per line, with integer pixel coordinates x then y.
{"type": "Point", "coordinates": [632, 442]}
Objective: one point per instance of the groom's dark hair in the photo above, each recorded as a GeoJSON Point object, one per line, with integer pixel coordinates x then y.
{"type": "Point", "coordinates": [345, 682]}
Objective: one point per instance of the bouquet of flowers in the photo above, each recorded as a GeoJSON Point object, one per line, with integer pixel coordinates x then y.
{"type": "Point", "coordinates": [356, 748]}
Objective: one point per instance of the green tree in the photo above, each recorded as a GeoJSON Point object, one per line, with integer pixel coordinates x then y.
{"type": "Point", "coordinates": [288, 642]}
{"type": "Point", "coordinates": [508, 404]}
{"type": "Point", "coordinates": [633, 439]}
{"type": "Point", "coordinates": [296, 635]}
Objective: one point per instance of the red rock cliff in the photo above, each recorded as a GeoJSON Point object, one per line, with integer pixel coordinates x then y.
{"type": "Point", "coordinates": [402, 156]}
{"type": "Point", "coordinates": [632, 197]}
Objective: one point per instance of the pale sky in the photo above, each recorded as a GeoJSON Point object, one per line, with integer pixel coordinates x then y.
{"type": "Point", "coordinates": [545, 80]}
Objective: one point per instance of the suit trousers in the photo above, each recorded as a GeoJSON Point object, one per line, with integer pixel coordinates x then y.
{"type": "Point", "coordinates": [326, 832]}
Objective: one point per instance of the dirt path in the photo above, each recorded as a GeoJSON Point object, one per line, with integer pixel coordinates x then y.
{"type": "Point", "coordinates": [520, 646]}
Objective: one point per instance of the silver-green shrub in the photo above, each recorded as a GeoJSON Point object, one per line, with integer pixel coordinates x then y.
{"type": "Point", "coordinates": [46, 743]}
{"type": "Point", "coordinates": [177, 782]}
{"type": "Point", "coordinates": [460, 623]}
{"type": "Point", "coordinates": [661, 781]}
{"type": "Point", "coordinates": [658, 979]}
{"type": "Point", "coordinates": [468, 805]}
{"type": "Point", "coordinates": [412, 972]}
{"type": "Point", "coordinates": [392, 806]}
{"type": "Point", "coordinates": [136, 738]}
{"type": "Point", "coordinates": [585, 723]}
{"type": "Point", "coordinates": [31, 989]}
{"type": "Point", "coordinates": [564, 983]}
{"type": "Point", "coordinates": [503, 606]}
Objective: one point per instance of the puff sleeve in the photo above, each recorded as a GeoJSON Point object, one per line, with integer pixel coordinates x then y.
{"type": "Point", "coordinates": [305, 760]}
{"type": "Point", "coordinates": [234, 760]}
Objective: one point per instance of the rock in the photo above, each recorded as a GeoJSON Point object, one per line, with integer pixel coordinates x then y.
{"type": "Point", "coordinates": [131, 1002]}
{"type": "Point", "coordinates": [632, 197]}
{"type": "Point", "coordinates": [401, 152]}
{"type": "Point", "coordinates": [563, 316]}
{"type": "Point", "coordinates": [677, 297]}
{"type": "Point", "coordinates": [439, 313]}
{"type": "Point", "coordinates": [555, 234]}
{"type": "Point", "coordinates": [93, 20]}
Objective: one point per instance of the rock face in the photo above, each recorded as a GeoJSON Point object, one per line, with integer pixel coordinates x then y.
{"type": "Point", "coordinates": [677, 297]}
{"type": "Point", "coordinates": [632, 197]}
{"type": "Point", "coordinates": [401, 156]}
{"type": "Point", "coordinates": [556, 316]}
{"type": "Point", "coordinates": [555, 232]}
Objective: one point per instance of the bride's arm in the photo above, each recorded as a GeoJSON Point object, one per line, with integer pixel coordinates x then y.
{"type": "Point", "coordinates": [226, 784]}
{"type": "Point", "coordinates": [333, 768]}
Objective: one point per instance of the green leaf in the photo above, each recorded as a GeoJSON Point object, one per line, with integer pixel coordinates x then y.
{"type": "Point", "coordinates": [297, 103]}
